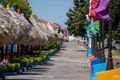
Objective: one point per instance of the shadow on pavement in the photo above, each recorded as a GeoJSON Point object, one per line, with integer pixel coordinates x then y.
{"type": "Point", "coordinates": [63, 49]}
{"type": "Point", "coordinates": [58, 54]}
{"type": "Point", "coordinates": [81, 50]}
{"type": "Point", "coordinates": [38, 68]}
{"type": "Point", "coordinates": [48, 64]}
{"type": "Point", "coordinates": [31, 73]}
{"type": "Point", "coordinates": [19, 79]}
{"type": "Point", "coordinates": [37, 71]}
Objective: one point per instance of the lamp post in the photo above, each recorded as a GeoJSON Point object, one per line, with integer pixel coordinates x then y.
{"type": "Point", "coordinates": [110, 61]}
{"type": "Point", "coordinates": [93, 45]}
{"type": "Point", "coordinates": [99, 46]}
{"type": "Point", "coordinates": [96, 46]}
{"type": "Point", "coordinates": [103, 37]}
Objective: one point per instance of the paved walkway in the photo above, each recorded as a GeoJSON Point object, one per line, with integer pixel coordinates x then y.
{"type": "Point", "coordinates": [68, 64]}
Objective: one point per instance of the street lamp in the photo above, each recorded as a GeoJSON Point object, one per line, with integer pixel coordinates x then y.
{"type": "Point", "coordinates": [99, 46]}
{"type": "Point", "coordinates": [110, 61]}
{"type": "Point", "coordinates": [103, 38]}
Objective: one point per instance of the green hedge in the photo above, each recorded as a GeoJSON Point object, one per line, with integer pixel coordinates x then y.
{"type": "Point", "coordinates": [10, 67]}
{"type": "Point", "coordinates": [26, 61]}
{"type": "Point", "coordinates": [52, 44]}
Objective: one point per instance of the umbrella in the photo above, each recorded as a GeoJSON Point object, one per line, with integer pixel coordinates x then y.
{"type": "Point", "coordinates": [22, 26]}
{"type": "Point", "coordinates": [35, 35]}
{"type": "Point", "coordinates": [46, 30]}
{"type": "Point", "coordinates": [7, 28]}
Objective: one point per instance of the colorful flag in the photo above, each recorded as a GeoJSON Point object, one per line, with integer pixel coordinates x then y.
{"type": "Point", "coordinates": [101, 10]}
{"type": "Point", "coordinates": [98, 10]}
{"type": "Point", "coordinates": [102, 7]}
{"type": "Point", "coordinates": [97, 26]}
{"type": "Point", "coordinates": [88, 32]}
{"type": "Point", "coordinates": [94, 4]}
{"type": "Point", "coordinates": [93, 26]}
{"type": "Point", "coordinates": [88, 29]}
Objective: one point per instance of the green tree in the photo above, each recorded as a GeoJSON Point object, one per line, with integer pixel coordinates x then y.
{"type": "Point", "coordinates": [115, 20]}
{"type": "Point", "coordinates": [77, 18]}
{"type": "Point", "coordinates": [22, 4]}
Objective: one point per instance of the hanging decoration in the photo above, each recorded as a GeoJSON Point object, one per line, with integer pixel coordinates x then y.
{"type": "Point", "coordinates": [8, 7]}
{"type": "Point", "coordinates": [31, 16]}
{"type": "Point", "coordinates": [12, 8]}
{"type": "Point", "coordinates": [18, 11]}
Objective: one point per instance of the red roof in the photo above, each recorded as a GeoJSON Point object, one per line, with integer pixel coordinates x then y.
{"type": "Point", "coordinates": [52, 24]}
{"type": "Point", "coordinates": [45, 22]}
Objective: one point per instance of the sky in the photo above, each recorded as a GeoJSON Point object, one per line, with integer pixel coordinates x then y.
{"type": "Point", "coordinates": [52, 10]}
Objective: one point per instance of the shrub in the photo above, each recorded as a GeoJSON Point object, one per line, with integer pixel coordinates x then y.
{"type": "Point", "coordinates": [44, 56]}
{"type": "Point", "coordinates": [36, 53]}
{"type": "Point", "coordinates": [3, 68]}
{"type": "Point", "coordinates": [11, 67]}
{"type": "Point", "coordinates": [38, 59]}
{"type": "Point", "coordinates": [52, 51]}
{"type": "Point", "coordinates": [24, 62]}
{"type": "Point", "coordinates": [30, 61]}
{"type": "Point", "coordinates": [17, 66]}
{"type": "Point", "coordinates": [52, 44]}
